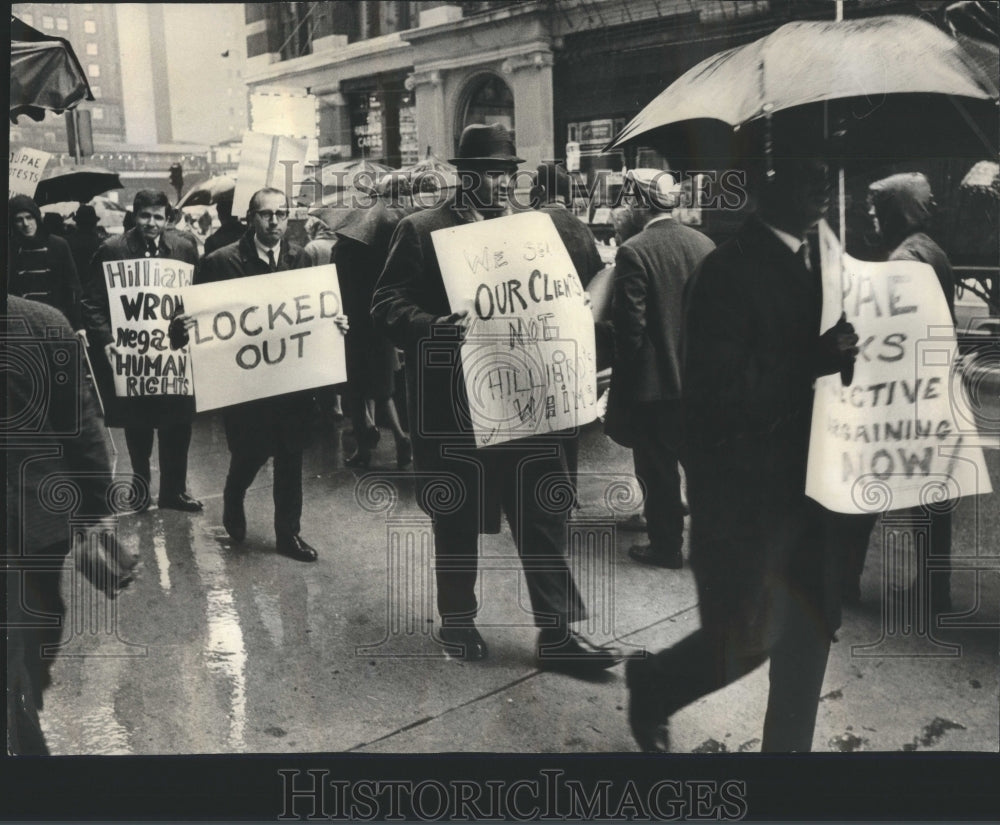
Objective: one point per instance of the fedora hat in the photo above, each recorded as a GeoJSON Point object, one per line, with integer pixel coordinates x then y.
{"type": "Point", "coordinates": [86, 215]}
{"type": "Point", "coordinates": [482, 143]}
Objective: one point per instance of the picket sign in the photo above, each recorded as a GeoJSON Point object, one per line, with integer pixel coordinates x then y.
{"type": "Point", "coordinates": [528, 359]}
{"type": "Point", "coordinates": [265, 335]}
{"type": "Point", "coordinates": [897, 436]}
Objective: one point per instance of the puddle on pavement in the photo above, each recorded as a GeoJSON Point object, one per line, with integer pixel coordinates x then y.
{"type": "Point", "coordinates": [932, 733]}
{"type": "Point", "coordinates": [847, 743]}
{"type": "Point", "coordinates": [162, 560]}
{"type": "Point", "coordinates": [225, 652]}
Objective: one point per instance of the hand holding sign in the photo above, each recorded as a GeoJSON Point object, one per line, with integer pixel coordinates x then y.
{"type": "Point", "coordinates": [528, 353]}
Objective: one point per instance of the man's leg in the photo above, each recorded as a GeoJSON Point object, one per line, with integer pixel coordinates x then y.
{"type": "Point", "coordinates": [456, 565]}
{"type": "Point", "coordinates": [139, 441]}
{"type": "Point", "coordinates": [287, 493]}
{"type": "Point", "coordinates": [244, 464]}
{"type": "Point", "coordinates": [798, 665]}
{"type": "Point", "coordinates": [656, 466]}
{"type": "Point", "coordinates": [174, 441]}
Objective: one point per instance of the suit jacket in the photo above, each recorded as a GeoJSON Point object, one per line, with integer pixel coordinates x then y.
{"type": "Point", "coordinates": [281, 422]}
{"type": "Point", "coordinates": [148, 411]}
{"type": "Point", "coordinates": [651, 269]}
{"type": "Point", "coordinates": [409, 297]}
{"type": "Point", "coordinates": [751, 354]}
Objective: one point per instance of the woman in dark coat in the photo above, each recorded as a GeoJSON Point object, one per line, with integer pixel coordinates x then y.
{"type": "Point", "coordinates": [41, 265]}
{"type": "Point", "coordinates": [372, 361]}
{"type": "Point", "coordinates": [903, 209]}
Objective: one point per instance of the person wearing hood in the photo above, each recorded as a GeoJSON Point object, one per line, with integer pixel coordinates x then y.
{"type": "Point", "coordinates": [40, 265]}
{"type": "Point", "coordinates": [902, 209]}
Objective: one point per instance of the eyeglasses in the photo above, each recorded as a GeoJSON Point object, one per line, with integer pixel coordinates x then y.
{"type": "Point", "coordinates": [267, 214]}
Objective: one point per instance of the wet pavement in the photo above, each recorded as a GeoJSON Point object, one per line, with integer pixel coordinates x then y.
{"type": "Point", "coordinates": [219, 648]}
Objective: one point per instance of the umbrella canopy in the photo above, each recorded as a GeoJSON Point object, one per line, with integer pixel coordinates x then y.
{"type": "Point", "coordinates": [342, 179]}
{"type": "Point", "coordinates": [45, 74]}
{"type": "Point", "coordinates": [75, 183]}
{"type": "Point", "coordinates": [209, 191]}
{"type": "Point", "coordinates": [863, 62]}
{"type": "Point", "coordinates": [431, 173]}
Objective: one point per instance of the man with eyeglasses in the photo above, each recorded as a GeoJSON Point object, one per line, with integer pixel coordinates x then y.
{"type": "Point", "coordinates": [169, 416]}
{"type": "Point", "coordinates": [277, 427]}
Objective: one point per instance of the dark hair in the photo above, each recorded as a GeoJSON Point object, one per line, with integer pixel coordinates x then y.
{"type": "Point", "coordinates": [224, 207]}
{"type": "Point", "coordinates": [150, 197]}
{"type": "Point", "coordinates": [267, 190]}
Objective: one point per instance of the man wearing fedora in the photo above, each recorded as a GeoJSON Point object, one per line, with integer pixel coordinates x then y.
{"type": "Point", "coordinates": [644, 407]}
{"type": "Point", "coordinates": [411, 306]}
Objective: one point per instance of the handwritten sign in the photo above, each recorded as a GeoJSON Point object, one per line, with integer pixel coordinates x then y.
{"type": "Point", "coordinates": [143, 295]}
{"type": "Point", "coordinates": [892, 439]}
{"type": "Point", "coordinates": [26, 167]}
{"type": "Point", "coordinates": [528, 359]}
{"type": "Point", "coordinates": [266, 160]}
{"type": "Point", "coordinates": [266, 335]}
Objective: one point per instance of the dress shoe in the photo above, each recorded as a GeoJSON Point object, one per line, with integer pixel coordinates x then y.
{"type": "Point", "coordinates": [646, 715]}
{"type": "Point", "coordinates": [295, 548]}
{"type": "Point", "coordinates": [466, 640]}
{"type": "Point", "coordinates": [182, 502]}
{"type": "Point", "coordinates": [234, 519]}
{"type": "Point", "coordinates": [671, 559]}
{"type": "Point", "coordinates": [569, 652]}
{"type": "Point", "coordinates": [404, 454]}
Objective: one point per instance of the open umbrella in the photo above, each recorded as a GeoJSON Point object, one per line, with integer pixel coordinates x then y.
{"type": "Point", "coordinates": [209, 191]}
{"type": "Point", "coordinates": [75, 183]}
{"type": "Point", "coordinates": [338, 183]}
{"type": "Point", "coordinates": [864, 64]}
{"type": "Point", "coordinates": [45, 74]}
{"type": "Point", "coordinates": [431, 174]}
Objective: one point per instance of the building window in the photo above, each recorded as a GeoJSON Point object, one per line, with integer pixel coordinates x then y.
{"type": "Point", "coordinates": [92, 48]}
{"type": "Point", "coordinates": [96, 92]}
{"type": "Point", "coordinates": [28, 18]}
{"type": "Point", "coordinates": [93, 70]}
{"type": "Point", "coordinates": [62, 24]}
{"type": "Point", "coordinates": [47, 22]}
{"type": "Point", "coordinates": [488, 100]}
{"type": "Point", "coordinates": [97, 113]}
{"type": "Point", "coordinates": [90, 27]}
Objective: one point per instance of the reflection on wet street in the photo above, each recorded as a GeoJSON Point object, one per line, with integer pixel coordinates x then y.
{"type": "Point", "coordinates": [223, 648]}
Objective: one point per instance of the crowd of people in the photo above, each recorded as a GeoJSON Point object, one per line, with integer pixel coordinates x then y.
{"type": "Point", "coordinates": [714, 352]}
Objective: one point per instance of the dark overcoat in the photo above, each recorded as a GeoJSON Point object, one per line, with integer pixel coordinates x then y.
{"type": "Point", "coordinates": [751, 354]}
{"type": "Point", "coordinates": [149, 411]}
{"type": "Point", "coordinates": [409, 297]}
{"type": "Point", "coordinates": [281, 422]}
{"type": "Point", "coordinates": [578, 240]}
{"type": "Point", "coordinates": [651, 269]}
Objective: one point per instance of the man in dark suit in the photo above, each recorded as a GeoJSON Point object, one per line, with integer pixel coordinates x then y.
{"type": "Point", "coordinates": [644, 408]}
{"type": "Point", "coordinates": [277, 427]}
{"type": "Point", "coordinates": [168, 415]}
{"type": "Point", "coordinates": [230, 229]}
{"type": "Point", "coordinates": [410, 304]}
{"type": "Point", "coordinates": [766, 581]}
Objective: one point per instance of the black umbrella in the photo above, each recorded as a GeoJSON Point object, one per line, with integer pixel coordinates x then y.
{"type": "Point", "coordinates": [44, 74]}
{"type": "Point", "coordinates": [209, 191]}
{"type": "Point", "coordinates": [76, 183]}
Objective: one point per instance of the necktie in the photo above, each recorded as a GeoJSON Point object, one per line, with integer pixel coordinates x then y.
{"type": "Point", "coordinates": [151, 249]}
{"type": "Point", "coordinates": [272, 265]}
{"type": "Point", "coordinates": [804, 255]}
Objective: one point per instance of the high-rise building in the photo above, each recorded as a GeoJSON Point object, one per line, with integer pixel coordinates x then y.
{"type": "Point", "coordinates": [92, 30]}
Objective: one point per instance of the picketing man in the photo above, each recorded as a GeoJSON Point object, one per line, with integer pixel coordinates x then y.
{"type": "Point", "coordinates": [644, 407]}
{"type": "Point", "coordinates": [277, 427]}
{"type": "Point", "coordinates": [168, 416]}
{"type": "Point", "coordinates": [411, 305]}
{"type": "Point", "coordinates": [767, 585]}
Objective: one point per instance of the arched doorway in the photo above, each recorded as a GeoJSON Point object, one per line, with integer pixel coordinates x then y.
{"type": "Point", "coordinates": [487, 99]}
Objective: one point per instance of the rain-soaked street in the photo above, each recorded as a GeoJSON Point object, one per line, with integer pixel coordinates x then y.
{"type": "Point", "coordinates": [233, 649]}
